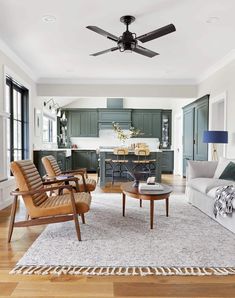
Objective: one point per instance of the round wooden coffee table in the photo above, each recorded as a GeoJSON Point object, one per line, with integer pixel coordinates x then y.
{"type": "Point", "coordinates": [129, 190]}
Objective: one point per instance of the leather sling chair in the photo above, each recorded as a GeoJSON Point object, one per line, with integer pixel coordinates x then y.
{"type": "Point", "coordinates": [41, 208]}
{"type": "Point", "coordinates": [52, 170]}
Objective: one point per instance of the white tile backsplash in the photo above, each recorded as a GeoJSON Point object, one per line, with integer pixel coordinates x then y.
{"type": "Point", "coordinates": [108, 138]}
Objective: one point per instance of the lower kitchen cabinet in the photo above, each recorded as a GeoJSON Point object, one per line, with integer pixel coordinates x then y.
{"type": "Point", "coordinates": [78, 159]}
{"type": "Point", "coordinates": [85, 159]}
{"type": "Point", "coordinates": [167, 162]}
{"type": "Point", "coordinates": [63, 161]}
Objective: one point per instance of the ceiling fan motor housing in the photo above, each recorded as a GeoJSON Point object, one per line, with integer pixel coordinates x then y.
{"type": "Point", "coordinates": [127, 42]}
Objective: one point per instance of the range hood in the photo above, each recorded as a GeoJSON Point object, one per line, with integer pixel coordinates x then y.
{"type": "Point", "coordinates": [114, 103]}
{"type": "Point", "coordinates": [107, 116]}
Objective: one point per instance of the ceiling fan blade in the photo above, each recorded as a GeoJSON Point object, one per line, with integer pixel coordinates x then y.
{"type": "Point", "coordinates": [143, 51]}
{"type": "Point", "coordinates": [102, 32]}
{"type": "Point", "coordinates": [157, 33]}
{"type": "Point", "coordinates": [105, 51]}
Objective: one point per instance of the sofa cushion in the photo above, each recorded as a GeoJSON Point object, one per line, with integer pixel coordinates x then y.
{"type": "Point", "coordinates": [229, 172]}
{"type": "Point", "coordinates": [204, 185]}
{"type": "Point", "coordinates": [222, 164]}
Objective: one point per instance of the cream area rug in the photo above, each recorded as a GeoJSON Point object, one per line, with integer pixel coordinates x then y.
{"type": "Point", "coordinates": [188, 242]}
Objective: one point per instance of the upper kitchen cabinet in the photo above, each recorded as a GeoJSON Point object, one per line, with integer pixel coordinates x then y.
{"type": "Point", "coordinates": [83, 123]}
{"type": "Point", "coordinates": [166, 129]}
{"type": "Point", "coordinates": [148, 121]}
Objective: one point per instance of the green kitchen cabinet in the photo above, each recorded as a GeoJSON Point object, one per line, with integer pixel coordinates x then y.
{"type": "Point", "coordinates": [121, 116]}
{"type": "Point", "coordinates": [82, 122]}
{"type": "Point", "coordinates": [166, 123]}
{"type": "Point", "coordinates": [59, 155]}
{"type": "Point", "coordinates": [167, 162]}
{"type": "Point", "coordinates": [74, 123]}
{"type": "Point", "coordinates": [85, 159]}
{"type": "Point", "coordinates": [148, 121]}
{"type": "Point", "coordinates": [156, 124]}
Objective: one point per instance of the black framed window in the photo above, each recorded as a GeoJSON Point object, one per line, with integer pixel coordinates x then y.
{"type": "Point", "coordinates": [17, 106]}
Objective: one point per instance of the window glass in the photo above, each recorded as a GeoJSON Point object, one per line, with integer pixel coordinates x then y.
{"type": "Point", "coordinates": [16, 104]}
{"type": "Point", "coordinates": [49, 129]}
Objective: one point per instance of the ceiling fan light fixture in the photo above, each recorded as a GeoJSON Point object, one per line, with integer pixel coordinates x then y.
{"type": "Point", "coordinates": [49, 18]}
{"type": "Point", "coordinates": [128, 41]}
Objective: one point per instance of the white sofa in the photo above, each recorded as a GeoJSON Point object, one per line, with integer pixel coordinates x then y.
{"type": "Point", "coordinates": [202, 183]}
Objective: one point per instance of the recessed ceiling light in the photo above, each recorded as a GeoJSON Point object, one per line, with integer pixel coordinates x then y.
{"type": "Point", "coordinates": [49, 18]}
{"type": "Point", "coordinates": [212, 20]}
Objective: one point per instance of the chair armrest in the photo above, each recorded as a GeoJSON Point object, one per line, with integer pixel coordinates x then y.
{"type": "Point", "coordinates": [53, 180]}
{"type": "Point", "coordinates": [200, 169]}
{"type": "Point", "coordinates": [82, 174]}
{"type": "Point", "coordinates": [40, 190]}
{"type": "Point", "coordinates": [81, 170]}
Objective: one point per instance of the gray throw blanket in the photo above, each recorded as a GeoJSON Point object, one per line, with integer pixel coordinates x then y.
{"type": "Point", "coordinates": [223, 200]}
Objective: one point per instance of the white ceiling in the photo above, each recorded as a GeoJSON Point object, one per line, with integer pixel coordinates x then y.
{"type": "Point", "coordinates": [61, 49]}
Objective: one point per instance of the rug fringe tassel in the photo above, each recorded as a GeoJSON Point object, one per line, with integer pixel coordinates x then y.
{"type": "Point", "coordinates": [125, 271]}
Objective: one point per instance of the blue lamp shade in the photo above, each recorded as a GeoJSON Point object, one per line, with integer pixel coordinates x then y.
{"type": "Point", "coordinates": [215, 137]}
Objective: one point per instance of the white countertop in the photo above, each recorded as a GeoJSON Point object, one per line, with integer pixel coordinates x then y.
{"type": "Point", "coordinates": [94, 149]}
{"type": "Point", "coordinates": [131, 151]}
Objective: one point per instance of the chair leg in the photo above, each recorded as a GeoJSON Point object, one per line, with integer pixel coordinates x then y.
{"type": "Point", "coordinates": [75, 217]}
{"type": "Point", "coordinates": [26, 216]}
{"type": "Point", "coordinates": [12, 220]}
{"type": "Point", "coordinates": [83, 218]}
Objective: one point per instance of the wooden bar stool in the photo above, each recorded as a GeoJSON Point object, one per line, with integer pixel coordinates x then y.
{"type": "Point", "coordinates": [143, 164]}
{"type": "Point", "coordinates": [119, 165]}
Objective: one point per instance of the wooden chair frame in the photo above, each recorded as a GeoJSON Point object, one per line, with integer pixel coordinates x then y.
{"type": "Point", "coordinates": [48, 219]}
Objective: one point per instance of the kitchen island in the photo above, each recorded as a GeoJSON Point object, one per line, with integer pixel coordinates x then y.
{"type": "Point", "coordinates": [107, 153]}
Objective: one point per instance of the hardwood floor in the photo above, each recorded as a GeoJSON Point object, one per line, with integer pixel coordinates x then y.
{"type": "Point", "coordinates": [81, 286]}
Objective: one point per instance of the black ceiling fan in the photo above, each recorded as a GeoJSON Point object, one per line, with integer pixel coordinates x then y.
{"type": "Point", "coordinates": [128, 41]}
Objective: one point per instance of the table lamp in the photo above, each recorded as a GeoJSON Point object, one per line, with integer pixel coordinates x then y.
{"type": "Point", "coordinates": [215, 137]}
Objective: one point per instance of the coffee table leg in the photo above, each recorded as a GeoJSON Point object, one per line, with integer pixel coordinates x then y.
{"type": "Point", "coordinates": [167, 206]}
{"type": "Point", "coordinates": [140, 203]}
{"type": "Point", "coordinates": [123, 204]}
{"type": "Point", "coordinates": [151, 213]}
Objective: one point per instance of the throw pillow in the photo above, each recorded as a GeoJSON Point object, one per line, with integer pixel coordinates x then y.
{"type": "Point", "coordinates": [229, 172]}
{"type": "Point", "coordinates": [222, 164]}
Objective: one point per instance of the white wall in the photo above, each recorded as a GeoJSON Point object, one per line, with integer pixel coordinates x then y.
{"type": "Point", "coordinates": [8, 66]}
{"type": "Point", "coordinates": [223, 81]}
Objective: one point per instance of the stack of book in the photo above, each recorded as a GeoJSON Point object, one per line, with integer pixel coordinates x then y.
{"type": "Point", "coordinates": [148, 187]}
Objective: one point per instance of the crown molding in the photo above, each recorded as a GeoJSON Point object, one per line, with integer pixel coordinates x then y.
{"type": "Point", "coordinates": [17, 60]}
{"type": "Point", "coordinates": [217, 66]}
{"type": "Point", "coordinates": [105, 81]}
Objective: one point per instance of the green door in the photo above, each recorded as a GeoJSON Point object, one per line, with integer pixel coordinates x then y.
{"type": "Point", "coordinates": [201, 124]}
{"type": "Point", "coordinates": [188, 137]}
